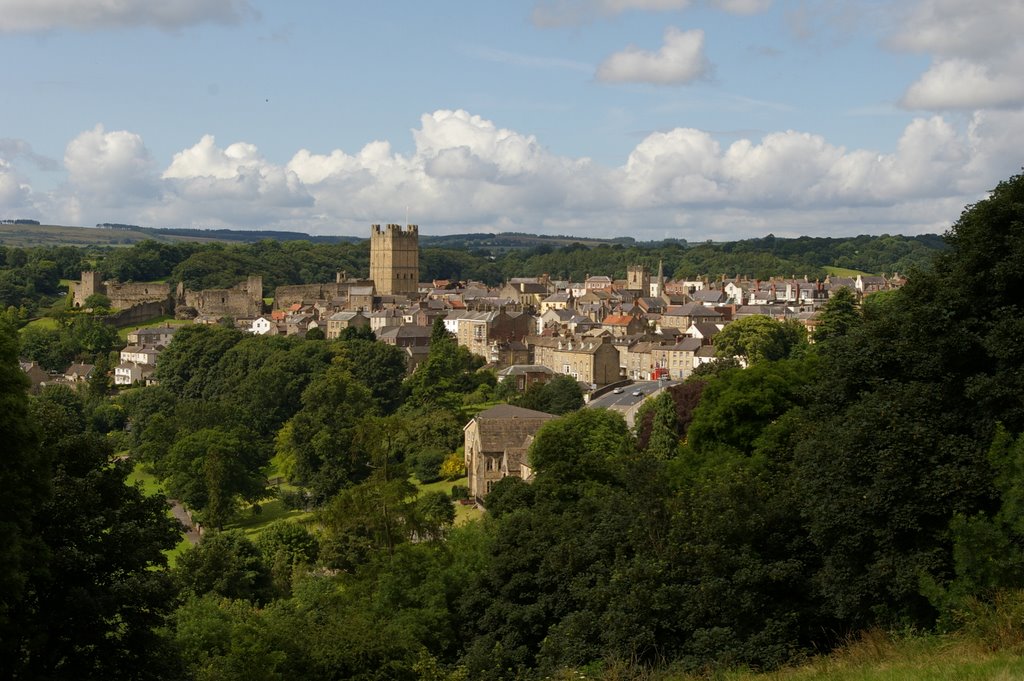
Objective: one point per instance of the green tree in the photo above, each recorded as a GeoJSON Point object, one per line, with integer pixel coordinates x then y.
{"type": "Point", "coordinates": [736, 407]}
{"type": "Point", "coordinates": [98, 302]}
{"type": "Point", "coordinates": [101, 586]}
{"type": "Point", "coordinates": [380, 367]}
{"type": "Point", "coordinates": [758, 338]}
{"type": "Point", "coordinates": [211, 471]}
{"type": "Point", "coordinates": [227, 564]}
{"type": "Point", "coordinates": [988, 548]}
{"type": "Point", "coordinates": [186, 366]}
{"type": "Point", "coordinates": [49, 347]}
{"type": "Point", "coordinates": [286, 547]}
{"type": "Point", "coordinates": [838, 316]}
{"type": "Point", "coordinates": [318, 446]}
{"type": "Point", "coordinates": [662, 426]}
{"type": "Point", "coordinates": [26, 483]}
{"type": "Point", "coordinates": [901, 418]}
{"type": "Point", "coordinates": [560, 395]}
{"type": "Point", "coordinates": [445, 375]}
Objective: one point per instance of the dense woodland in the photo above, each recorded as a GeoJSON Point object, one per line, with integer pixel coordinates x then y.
{"type": "Point", "coordinates": [753, 517]}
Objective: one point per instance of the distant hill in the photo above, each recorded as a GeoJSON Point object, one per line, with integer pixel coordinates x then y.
{"type": "Point", "coordinates": [109, 234]}
{"type": "Point", "coordinates": [26, 235]}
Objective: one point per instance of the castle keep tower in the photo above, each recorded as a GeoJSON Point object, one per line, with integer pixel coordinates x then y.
{"type": "Point", "coordinates": [395, 259]}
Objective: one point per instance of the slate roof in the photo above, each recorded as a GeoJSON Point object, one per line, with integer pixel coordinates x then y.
{"type": "Point", "coordinates": [506, 427]}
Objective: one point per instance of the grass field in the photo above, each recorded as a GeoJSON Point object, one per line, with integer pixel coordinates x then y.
{"type": "Point", "coordinates": [40, 323]}
{"type": "Point", "coordinates": [843, 272]}
{"type": "Point", "coordinates": [158, 321]}
{"type": "Point", "coordinates": [252, 523]}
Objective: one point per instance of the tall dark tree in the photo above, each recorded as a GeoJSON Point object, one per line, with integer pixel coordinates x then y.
{"type": "Point", "coordinates": [903, 416]}
{"type": "Point", "coordinates": [24, 476]}
{"type": "Point", "coordinates": [90, 607]}
{"type": "Point", "coordinates": [838, 317]}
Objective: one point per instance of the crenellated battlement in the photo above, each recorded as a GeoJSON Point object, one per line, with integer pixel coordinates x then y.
{"type": "Point", "coordinates": [394, 230]}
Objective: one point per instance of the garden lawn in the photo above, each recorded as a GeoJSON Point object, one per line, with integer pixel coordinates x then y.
{"type": "Point", "coordinates": [41, 323]}
{"type": "Point", "coordinates": [253, 522]}
{"type": "Point", "coordinates": [463, 514]}
{"type": "Point", "coordinates": [158, 321]}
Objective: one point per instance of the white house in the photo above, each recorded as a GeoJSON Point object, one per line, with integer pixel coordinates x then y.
{"type": "Point", "coordinates": [261, 326]}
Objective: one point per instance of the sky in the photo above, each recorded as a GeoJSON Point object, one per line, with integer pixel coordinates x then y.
{"type": "Point", "coordinates": [693, 119]}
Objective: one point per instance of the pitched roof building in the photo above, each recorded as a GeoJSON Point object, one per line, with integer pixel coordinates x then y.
{"type": "Point", "coordinates": [496, 442]}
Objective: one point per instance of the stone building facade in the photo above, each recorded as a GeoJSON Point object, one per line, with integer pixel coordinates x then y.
{"type": "Point", "coordinates": [590, 360]}
{"type": "Point", "coordinates": [395, 259]}
{"type": "Point", "coordinates": [496, 442]}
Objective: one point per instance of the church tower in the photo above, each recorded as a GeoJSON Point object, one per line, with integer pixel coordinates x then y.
{"type": "Point", "coordinates": [638, 279]}
{"type": "Point", "coordinates": [395, 259]}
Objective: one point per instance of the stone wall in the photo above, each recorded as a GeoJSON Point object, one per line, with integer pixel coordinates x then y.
{"type": "Point", "coordinates": [244, 301]}
{"type": "Point", "coordinates": [136, 314]}
{"type": "Point", "coordinates": [123, 296]}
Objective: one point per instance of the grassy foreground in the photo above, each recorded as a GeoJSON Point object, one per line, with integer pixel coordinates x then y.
{"type": "Point", "coordinates": [875, 656]}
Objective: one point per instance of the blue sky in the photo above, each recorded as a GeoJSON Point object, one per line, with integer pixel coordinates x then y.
{"type": "Point", "coordinates": [650, 118]}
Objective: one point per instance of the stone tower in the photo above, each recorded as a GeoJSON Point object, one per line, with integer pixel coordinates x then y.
{"type": "Point", "coordinates": [91, 283]}
{"type": "Point", "coordinates": [638, 279]}
{"type": "Point", "coordinates": [395, 259]}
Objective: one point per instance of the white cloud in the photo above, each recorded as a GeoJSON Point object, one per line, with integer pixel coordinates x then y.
{"type": "Point", "coordinates": [101, 162]}
{"type": "Point", "coordinates": [551, 13]}
{"type": "Point", "coordinates": [977, 55]}
{"type": "Point", "coordinates": [41, 15]}
{"type": "Point", "coordinates": [206, 184]}
{"type": "Point", "coordinates": [964, 84]}
{"type": "Point", "coordinates": [464, 173]}
{"type": "Point", "coordinates": [14, 192]}
{"type": "Point", "coordinates": [14, 148]}
{"type": "Point", "coordinates": [680, 60]}
{"type": "Point", "coordinates": [742, 6]}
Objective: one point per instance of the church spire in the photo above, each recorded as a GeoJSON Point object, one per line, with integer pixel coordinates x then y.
{"type": "Point", "coordinates": [658, 287]}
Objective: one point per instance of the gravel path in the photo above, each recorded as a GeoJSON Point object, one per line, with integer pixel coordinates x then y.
{"type": "Point", "coordinates": [192, 530]}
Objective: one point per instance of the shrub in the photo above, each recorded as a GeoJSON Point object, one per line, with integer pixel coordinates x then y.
{"type": "Point", "coordinates": [454, 466]}
{"type": "Point", "coordinates": [426, 466]}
